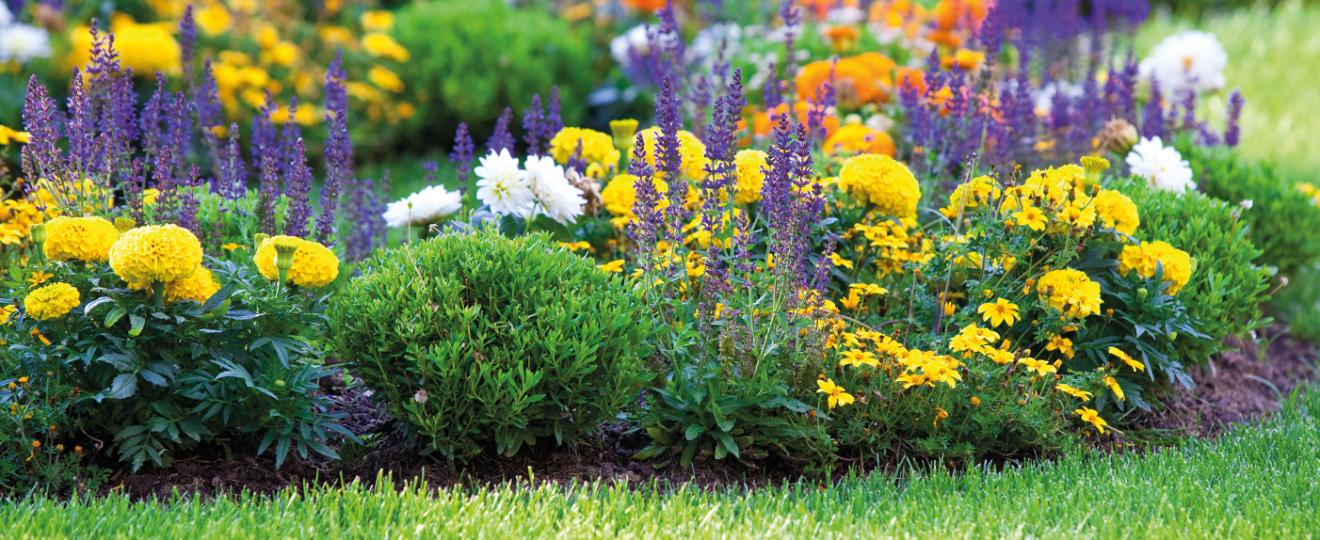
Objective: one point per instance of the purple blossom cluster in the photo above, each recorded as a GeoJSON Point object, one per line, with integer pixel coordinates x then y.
{"type": "Point", "coordinates": [107, 139]}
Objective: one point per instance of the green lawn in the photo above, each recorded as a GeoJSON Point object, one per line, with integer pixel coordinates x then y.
{"type": "Point", "coordinates": [1274, 58]}
{"type": "Point", "coordinates": [1261, 481]}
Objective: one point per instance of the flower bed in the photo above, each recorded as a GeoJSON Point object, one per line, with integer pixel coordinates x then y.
{"type": "Point", "coordinates": [918, 236]}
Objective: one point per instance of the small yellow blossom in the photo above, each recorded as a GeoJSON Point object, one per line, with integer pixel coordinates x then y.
{"type": "Point", "coordinates": [1000, 312]}
{"type": "Point", "coordinates": [1136, 365]}
{"type": "Point", "coordinates": [1079, 394]}
{"type": "Point", "coordinates": [612, 267]}
{"type": "Point", "coordinates": [837, 395]}
{"type": "Point", "coordinates": [1092, 416]}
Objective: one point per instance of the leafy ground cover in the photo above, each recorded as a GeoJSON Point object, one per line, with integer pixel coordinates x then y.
{"type": "Point", "coordinates": [1258, 481]}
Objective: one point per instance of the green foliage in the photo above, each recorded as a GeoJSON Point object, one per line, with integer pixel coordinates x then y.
{"type": "Point", "coordinates": [1227, 284]}
{"type": "Point", "coordinates": [31, 454]}
{"type": "Point", "coordinates": [476, 338]}
{"type": "Point", "coordinates": [520, 53]}
{"type": "Point", "coordinates": [1283, 222]}
{"type": "Point", "coordinates": [158, 379]}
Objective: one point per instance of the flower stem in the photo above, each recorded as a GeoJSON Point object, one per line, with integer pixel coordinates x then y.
{"type": "Point", "coordinates": [157, 293]}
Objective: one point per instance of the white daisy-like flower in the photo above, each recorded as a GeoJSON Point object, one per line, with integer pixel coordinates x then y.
{"type": "Point", "coordinates": [429, 205]}
{"type": "Point", "coordinates": [21, 43]}
{"type": "Point", "coordinates": [503, 185]}
{"type": "Point", "coordinates": [1160, 165]}
{"type": "Point", "coordinates": [556, 197]}
{"type": "Point", "coordinates": [1188, 61]}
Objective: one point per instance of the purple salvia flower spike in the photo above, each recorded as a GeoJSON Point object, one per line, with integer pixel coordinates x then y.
{"type": "Point", "coordinates": [502, 139]}
{"type": "Point", "coordinates": [1232, 130]}
{"type": "Point", "coordinates": [187, 43]}
{"type": "Point", "coordinates": [461, 156]}
{"type": "Point", "coordinates": [298, 185]}
{"type": "Point", "coordinates": [338, 150]}
{"type": "Point", "coordinates": [533, 123]}
{"type": "Point", "coordinates": [554, 121]}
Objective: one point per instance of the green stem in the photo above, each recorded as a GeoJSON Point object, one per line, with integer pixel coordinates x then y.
{"type": "Point", "coordinates": [284, 275]}
{"type": "Point", "coordinates": [157, 293]}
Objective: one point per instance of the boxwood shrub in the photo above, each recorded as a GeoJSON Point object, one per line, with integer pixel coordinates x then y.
{"type": "Point", "coordinates": [475, 339]}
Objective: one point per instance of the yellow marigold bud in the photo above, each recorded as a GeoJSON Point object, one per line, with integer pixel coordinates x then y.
{"type": "Point", "coordinates": [880, 181]}
{"type": "Point", "coordinates": [124, 224]}
{"type": "Point", "coordinates": [38, 233]}
{"type": "Point", "coordinates": [198, 287]}
{"type": "Point", "coordinates": [156, 253]}
{"type": "Point", "coordinates": [313, 265]}
{"type": "Point", "coordinates": [624, 132]}
{"type": "Point", "coordinates": [51, 301]}
{"type": "Point", "coordinates": [36, 444]}
{"type": "Point", "coordinates": [85, 239]}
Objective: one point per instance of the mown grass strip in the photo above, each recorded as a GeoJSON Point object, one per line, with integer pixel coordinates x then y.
{"type": "Point", "coordinates": [1261, 481]}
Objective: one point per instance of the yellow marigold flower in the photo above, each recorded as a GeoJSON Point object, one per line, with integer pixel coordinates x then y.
{"type": "Point", "coordinates": [612, 267]}
{"type": "Point", "coordinates": [597, 148]}
{"type": "Point", "coordinates": [314, 265]}
{"type": "Point", "coordinates": [836, 393]}
{"type": "Point", "coordinates": [940, 414]}
{"type": "Point", "coordinates": [999, 312]}
{"type": "Point", "coordinates": [85, 239]}
{"type": "Point", "coordinates": [145, 47]}
{"type": "Point", "coordinates": [836, 260]}
{"type": "Point", "coordinates": [8, 135]}
{"type": "Point", "coordinates": [1115, 388]}
{"type": "Point", "coordinates": [620, 195]}
{"type": "Point", "coordinates": [1061, 344]}
{"type": "Point", "coordinates": [1148, 257]}
{"type": "Point", "coordinates": [1117, 211]}
{"type": "Point", "coordinates": [214, 19]}
{"type": "Point", "coordinates": [156, 253]}
{"type": "Point", "coordinates": [1031, 217]}
{"type": "Point", "coordinates": [377, 20]}
{"type": "Point", "coordinates": [880, 181]}
{"type": "Point", "coordinates": [385, 78]}
{"type": "Point", "coordinates": [51, 301]}
{"type": "Point", "coordinates": [976, 402]}
{"type": "Point", "coordinates": [1070, 291]}
{"type": "Point", "coordinates": [38, 278]}
{"type": "Point", "coordinates": [380, 44]}
{"type": "Point", "coordinates": [232, 246]}
{"type": "Point", "coordinates": [858, 358]}
{"type": "Point", "coordinates": [198, 287]}
{"type": "Point", "coordinates": [690, 148]}
{"type": "Point", "coordinates": [6, 313]}
{"type": "Point", "coordinates": [1093, 417]}
{"type": "Point", "coordinates": [751, 166]}
{"type": "Point", "coordinates": [1136, 365]}
{"type": "Point", "coordinates": [856, 138]}
{"type": "Point", "coordinates": [1039, 366]}
{"type": "Point", "coordinates": [950, 309]}
{"type": "Point", "coordinates": [1079, 394]}
{"type": "Point", "coordinates": [971, 195]}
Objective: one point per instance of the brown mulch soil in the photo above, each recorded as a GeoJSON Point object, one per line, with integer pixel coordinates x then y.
{"type": "Point", "coordinates": [1237, 387]}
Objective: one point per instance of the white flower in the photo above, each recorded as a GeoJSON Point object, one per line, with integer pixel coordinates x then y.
{"type": "Point", "coordinates": [21, 43]}
{"type": "Point", "coordinates": [1188, 61]}
{"type": "Point", "coordinates": [1246, 204]}
{"type": "Point", "coordinates": [503, 185]}
{"type": "Point", "coordinates": [6, 16]}
{"type": "Point", "coordinates": [622, 46]}
{"type": "Point", "coordinates": [558, 199]}
{"type": "Point", "coordinates": [428, 206]}
{"type": "Point", "coordinates": [1161, 165]}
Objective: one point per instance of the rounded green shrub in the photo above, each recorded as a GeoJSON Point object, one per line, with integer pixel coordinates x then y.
{"type": "Point", "coordinates": [1227, 284]}
{"type": "Point", "coordinates": [470, 60]}
{"type": "Point", "coordinates": [1283, 222]}
{"type": "Point", "coordinates": [477, 338]}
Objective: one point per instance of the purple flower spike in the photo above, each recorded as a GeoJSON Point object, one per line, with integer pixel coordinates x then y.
{"type": "Point", "coordinates": [338, 150]}
{"type": "Point", "coordinates": [554, 121]}
{"type": "Point", "coordinates": [502, 139]}
{"type": "Point", "coordinates": [534, 123]}
{"type": "Point", "coordinates": [269, 195]}
{"type": "Point", "coordinates": [187, 43]}
{"type": "Point", "coordinates": [461, 157]}
{"type": "Point", "coordinates": [1152, 117]}
{"type": "Point", "coordinates": [1232, 131]}
{"type": "Point", "coordinates": [299, 185]}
